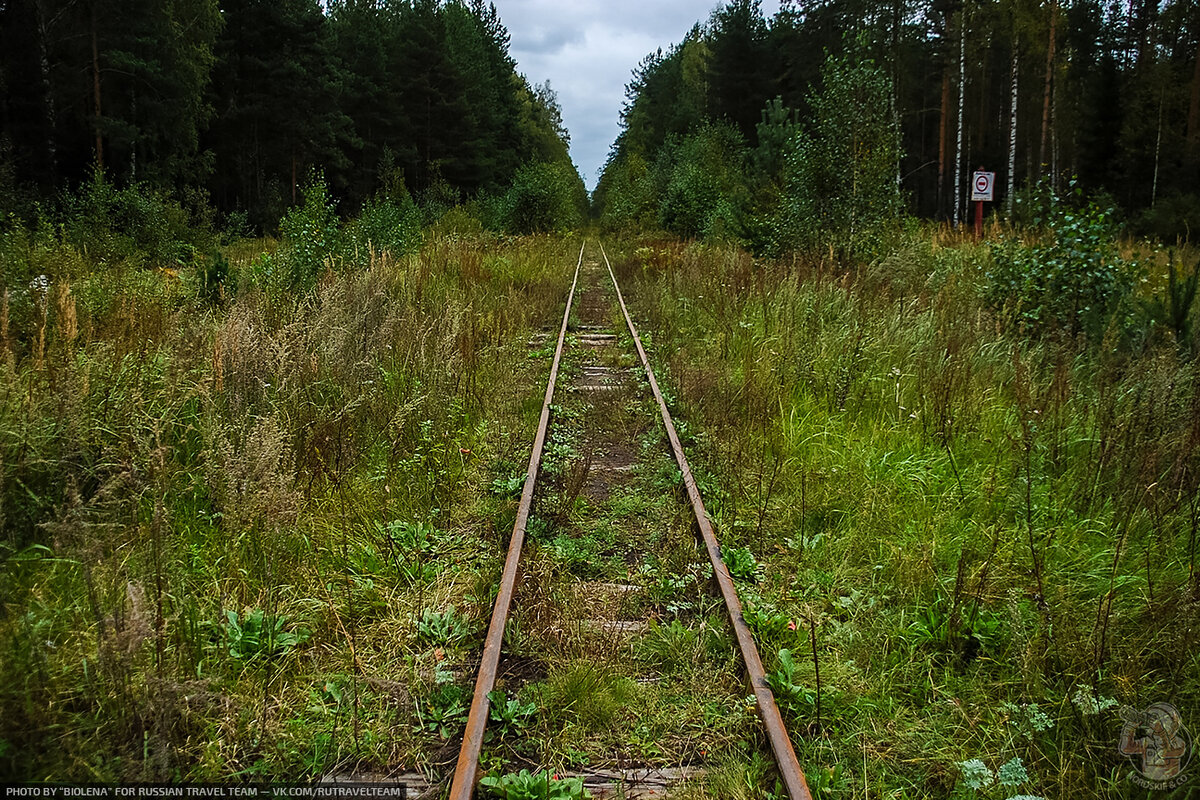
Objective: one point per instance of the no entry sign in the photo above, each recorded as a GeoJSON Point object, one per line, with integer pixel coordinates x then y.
{"type": "Point", "coordinates": [983, 185]}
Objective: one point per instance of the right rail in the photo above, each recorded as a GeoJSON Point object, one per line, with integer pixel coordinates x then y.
{"type": "Point", "coordinates": [768, 711]}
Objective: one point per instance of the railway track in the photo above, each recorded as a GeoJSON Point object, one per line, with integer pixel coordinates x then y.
{"type": "Point", "coordinates": [604, 467]}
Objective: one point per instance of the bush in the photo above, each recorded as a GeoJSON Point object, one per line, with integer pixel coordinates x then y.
{"type": "Point", "coordinates": [310, 235]}
{"type": "Point", "coordinates": [27, 252]}
{"type": "Point", "coordinates": [136, 224]}
{"type": "Point", "coordinates": [706, 193]}
{"type": "Point", "coordinates": [1171, 309]}
{"type": "Point", "coordinates": [1175, 216]}
{"type": "Point", "coordinates": [215, 283]}
{"type": "Point", "coordinates": [544, 197]}
{"type": "Point", "coordinates": [840, 174]}
{"type": "Point", "coordinates": [386, 223]}
{"type": "Point", "coordinates": [1072, 278]}
{"type": "Point", "coordinates": [437, 198]}
{"type": "Point", "coordinates": [626, 194]}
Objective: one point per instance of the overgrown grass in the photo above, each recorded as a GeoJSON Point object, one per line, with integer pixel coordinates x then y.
{"type": "Point", "coordinates": [982, 528]}
{"type": "Point", "coordinates": [255, 531]}
{"type": "Point", "coordinates": [253, 538]}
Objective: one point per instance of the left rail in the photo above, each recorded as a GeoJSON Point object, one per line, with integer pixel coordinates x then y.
{"type": "Point", "coordinates": [465, 771]}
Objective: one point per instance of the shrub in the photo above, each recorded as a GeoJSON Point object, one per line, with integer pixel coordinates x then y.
{"type": "Point", "coordinates": [706, 193]}
{"type": "Point", "coordinates": [1174, 216]}
{"type": "Point", "coordinates": [840, 174]}
{"type": "Point", "coordinates": [437, 198]}
{"type": "Point", "coordinates": [136, 224]}
{"type": "Point", "coordinates": [1072, 278]}
{"type": "Point", "coordinates": [1172, 309]}
{"type": "Point", "coordinates": [627, 194]}
{"type": "Point", "coordinates": [310, 235]}
{"type": "Point", "coordinates": [544, 197]}
{"type": "Point", "coordinates": [27, 252]}
{"type": "Point", "coordinates": [386, 223]}
{"type": "Point", "coordinates": [215, 282]}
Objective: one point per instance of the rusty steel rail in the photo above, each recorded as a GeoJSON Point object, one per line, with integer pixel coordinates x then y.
{"type": "Point", "coordinates": [781, 744]}
{"type": "Point", "coordinates": [467, 769]}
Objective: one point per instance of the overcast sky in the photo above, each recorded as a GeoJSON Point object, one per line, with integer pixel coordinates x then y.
{"type": "Point", "coordinates": [588, 49]}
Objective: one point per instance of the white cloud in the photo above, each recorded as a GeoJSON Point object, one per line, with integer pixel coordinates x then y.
{"type": "Point", "coordinates": [588, 49]}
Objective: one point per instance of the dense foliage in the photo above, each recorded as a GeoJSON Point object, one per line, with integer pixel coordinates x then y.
{"type": "Point", "coordinates": [1029, 91]}
{"type": "Point", "coordinates": [543, 198]}
{"type": "Point", "coordinates": [240, 99]}
{"type": "Point", "coordinates": [1073, 278]}
{"type": "Point", "coordinates": [840, 173]}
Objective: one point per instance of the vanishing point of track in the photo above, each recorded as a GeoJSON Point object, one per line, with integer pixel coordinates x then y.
{"type": "Point", "coordinates": [467, 768]}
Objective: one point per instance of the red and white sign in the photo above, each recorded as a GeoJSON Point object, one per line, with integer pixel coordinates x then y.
{"type": "Point", "coordinates": [983, 186]}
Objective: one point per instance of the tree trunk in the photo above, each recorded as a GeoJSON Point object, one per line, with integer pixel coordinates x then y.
{"type": "Point", "coordinates": [897, 20]}
{"type": "Point", "coordinates": [96, 90]}
{"type": "Point", "coordinates": [47, 93]}
{"type": "Point", "coordinates": [1055, 168]}
{"type": "Point", "coordinates": [1147, 13]}
{"type": "Point", "coordinates": [133, 144]}
{"type": "Point", "coordinates": [1049, 83]}
{"type": "Point", "coordinates": [975, 136]}
{"type": "Point", "coordinates": [962, 97]}
{"type": "Point", "coordinates": [1010, 195]}
{"type": "Point", "coordinates": [1162, 97]}
{"type": "Point", "coordinates": [943, 135]}
{"type": "Point", "coordinates": [1193, 119]}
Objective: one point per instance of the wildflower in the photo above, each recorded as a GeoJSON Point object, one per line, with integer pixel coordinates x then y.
{"type": "Point", "coordinates": [791, 624]}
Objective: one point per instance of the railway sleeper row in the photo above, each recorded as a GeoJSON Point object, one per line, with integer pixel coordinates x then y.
{"type": "Point", "coordinates": [612, 627]}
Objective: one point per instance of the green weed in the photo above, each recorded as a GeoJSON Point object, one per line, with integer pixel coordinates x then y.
{"type": "Point", "coordinates": [741, 563]}
{"type": "Point", "coordinates": [442, 627]}
{"type": "Point", "coordinates": [508, 487]}
{"type": "Point", "coordinates": [671, 646]}
{"type": "Point", "coordinates": [765, 621]}
{"type": "Point", "coordinates": [444, 711]}
{"type": "Point", "coordinates": [592, 695]}
{"type": "Point", "coordinates": [790, 696]}
{"type": "Point", "coordinates": [509, 716]}
{"type": "Point", "coordinates": [540, 785]}
{"type": "Point", "coordinates": [258, 635]}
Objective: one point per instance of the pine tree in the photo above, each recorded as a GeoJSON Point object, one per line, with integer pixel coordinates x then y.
{"type": "Point", "coordinates": [739, 85]}
{"type": "Point", "coordinates": [275, 90]}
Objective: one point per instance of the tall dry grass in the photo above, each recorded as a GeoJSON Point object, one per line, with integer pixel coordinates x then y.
{"type": "Point", "coordinates": [220, 524]}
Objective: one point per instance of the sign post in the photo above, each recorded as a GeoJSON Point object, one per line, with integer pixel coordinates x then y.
{"type": "Point", "coordinates": [983, 186]}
